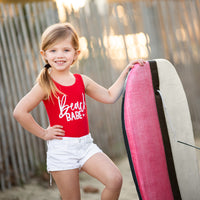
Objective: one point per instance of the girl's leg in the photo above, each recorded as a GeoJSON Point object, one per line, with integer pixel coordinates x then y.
{"type": "Point", "coordinates": [102, 168]}
{"type": "Point", "coordinates": [68, 183]}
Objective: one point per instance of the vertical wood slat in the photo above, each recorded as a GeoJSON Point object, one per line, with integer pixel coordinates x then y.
{"type": "Point", "coordinates": [4, 143]}
{"type": "Point", "coordinates": [189, 6]}
{"type": "Point", "coordinates": [20, 89]}
{"type": "Point", "coordinates": [149, 20]}
{"type": "Point", "coordinates": [2, 180]}
{"type": "Point", "coordinates": [121, 29]}
{"type": "Point", "coordinates": [174, 26]}
{"type": "Point", "coordinates": [189, 22]}
{"type": "Point", "coordinates": [193, 45]}
{"type": "Point", "coordinates": [163, 31]}
{"type": "Point", "coordinates": [5, 180]}
{"type": "Point", "coordinates": [39, 154]}
{"type": "Point", "coordinates": [130, 10]}
{"type": "Point", "coordinates": [25, 80]}
{"type": "Point", "coordinates": [184, 22]}
{"type": "Point", "coordinates": [3, 173]}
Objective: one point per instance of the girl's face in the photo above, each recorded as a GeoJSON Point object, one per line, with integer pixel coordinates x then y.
{"type": "Point", "coordinates": [61, 55]}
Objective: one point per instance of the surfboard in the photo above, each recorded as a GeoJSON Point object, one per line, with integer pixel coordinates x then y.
{"type": "Point", "coordinates": [155, 115]}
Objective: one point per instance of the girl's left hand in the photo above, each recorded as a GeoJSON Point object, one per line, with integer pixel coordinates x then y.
{"type": "Point", "coordinates": [141, 62]}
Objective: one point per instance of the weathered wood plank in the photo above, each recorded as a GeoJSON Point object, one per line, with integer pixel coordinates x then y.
{"type": "Point", "coordinates": [20, 87]}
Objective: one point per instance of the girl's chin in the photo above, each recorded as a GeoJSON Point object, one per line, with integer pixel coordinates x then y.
{"type": "Point", "coordinates": [61, 67]}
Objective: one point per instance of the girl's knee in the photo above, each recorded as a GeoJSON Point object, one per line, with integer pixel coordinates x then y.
{"type": "Point", "coordinates": [115, 181]}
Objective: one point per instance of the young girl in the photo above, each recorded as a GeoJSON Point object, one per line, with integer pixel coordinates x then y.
{"type": "Point", "coordinates": [70, 145]}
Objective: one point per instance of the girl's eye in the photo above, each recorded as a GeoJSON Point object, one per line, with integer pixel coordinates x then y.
{"type": "Point", "coordinates": [52, 50]}
{"type": "Point", "coordinates": [66, 50]}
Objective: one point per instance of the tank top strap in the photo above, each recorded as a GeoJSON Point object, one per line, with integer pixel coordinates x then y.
{"type": "Point", "coordinates": [80, 80]}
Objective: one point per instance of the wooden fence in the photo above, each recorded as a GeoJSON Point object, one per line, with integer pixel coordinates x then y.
{"type": "Point", "coordinates": [109, 38]}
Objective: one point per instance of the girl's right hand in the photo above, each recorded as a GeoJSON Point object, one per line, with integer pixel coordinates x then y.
{"type": "Point", "coordinates": [54, 132]}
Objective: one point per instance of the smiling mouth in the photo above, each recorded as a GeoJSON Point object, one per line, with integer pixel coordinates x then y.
{"type": "Point", "coordinates": [60, 62]}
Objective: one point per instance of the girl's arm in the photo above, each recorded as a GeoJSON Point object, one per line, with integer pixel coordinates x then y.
{"type": "Point", "coordinates": [22, 114]}
{"type": "Point", "coordinates": [110, 95]}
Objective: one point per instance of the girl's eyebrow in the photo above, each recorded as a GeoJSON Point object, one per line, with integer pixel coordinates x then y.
{"type": "Point", "coordinates": [67, 47]}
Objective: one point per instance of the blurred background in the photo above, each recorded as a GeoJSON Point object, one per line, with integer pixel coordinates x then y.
{"type": "Point", "coordinates": [112, 33]}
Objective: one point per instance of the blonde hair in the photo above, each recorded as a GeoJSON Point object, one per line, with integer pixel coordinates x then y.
{"type": "Point", "coordinates": [50, 36]}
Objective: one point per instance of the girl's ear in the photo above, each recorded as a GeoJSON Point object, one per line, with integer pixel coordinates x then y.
{"type": "Point", "coordinates": [43, 54]}
{"type": "Point", "coordinates": [77, 53]}
{"type": "Point", "coordinates": [76, 56]}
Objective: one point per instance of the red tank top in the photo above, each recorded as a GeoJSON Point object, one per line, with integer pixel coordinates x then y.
{"type": "Point", "coordinates": [69, 109]}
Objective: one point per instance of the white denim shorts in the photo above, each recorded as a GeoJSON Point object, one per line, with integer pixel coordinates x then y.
{"type": "Point", "coordinates": [70, 153]}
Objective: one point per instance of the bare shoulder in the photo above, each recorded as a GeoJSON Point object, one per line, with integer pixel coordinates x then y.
{"type": "Point", "coordinates": [37, 91]}
{"type": "Point", "coordinates": [86, 80]}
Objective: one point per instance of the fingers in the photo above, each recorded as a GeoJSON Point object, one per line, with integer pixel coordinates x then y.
{"type": "Point", "coordinates": [58, 128]}
{"type": "Point", "coordinates": [142, 62]}
{"type": "Point", "coordinates": [57, 138]}
{"type": "Point", "coordinates": [139, 61]}
{"type": "Point", "coordinates": [55, 132]}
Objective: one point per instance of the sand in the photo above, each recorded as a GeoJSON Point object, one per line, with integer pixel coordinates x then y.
{"type": "Point", "coordinates": [40, 190]}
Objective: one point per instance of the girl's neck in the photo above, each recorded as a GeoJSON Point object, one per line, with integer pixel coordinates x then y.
{"type": "Point", "coordinates": [64, 78]}
{"type": "Point", "coordinates": [59, 74]}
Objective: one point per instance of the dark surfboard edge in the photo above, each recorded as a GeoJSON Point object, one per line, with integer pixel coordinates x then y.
{"type": "Point", "coordinates": [164, 131]}
{"type": "Point", "coordinates": [127, 145]}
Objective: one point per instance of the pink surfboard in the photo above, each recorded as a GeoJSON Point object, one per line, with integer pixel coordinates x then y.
{"type": "Point", "coordinates": [143, 138]}
{"type": "Point", "coordinates": [156, 124]}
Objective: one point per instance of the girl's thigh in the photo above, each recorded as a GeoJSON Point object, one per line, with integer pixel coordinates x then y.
{"type": "Point", "coordinates": [67, 182]}
{"type": "Point", "coordinates": [101, 167]}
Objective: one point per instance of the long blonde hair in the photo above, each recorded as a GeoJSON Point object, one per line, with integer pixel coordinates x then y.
{"type": "Point", "coordinates": [50, 36]}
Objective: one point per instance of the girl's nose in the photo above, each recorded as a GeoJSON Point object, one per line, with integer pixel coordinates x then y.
{"type": "Point", "coordinates": [60, 54]}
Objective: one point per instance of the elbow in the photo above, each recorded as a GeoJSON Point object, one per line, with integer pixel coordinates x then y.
{"type": "Point", "coordinates": [111, 98]}
{"type": "Point", "coordinates": [111, 101]}
{"type": "Point", "coordinates": [17, 114]}
{"type": "Point", "coordinates": [114, 99]}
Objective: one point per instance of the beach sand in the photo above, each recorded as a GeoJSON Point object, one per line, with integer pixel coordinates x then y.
{"type": "Point", "coordinates": [40, 190]}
